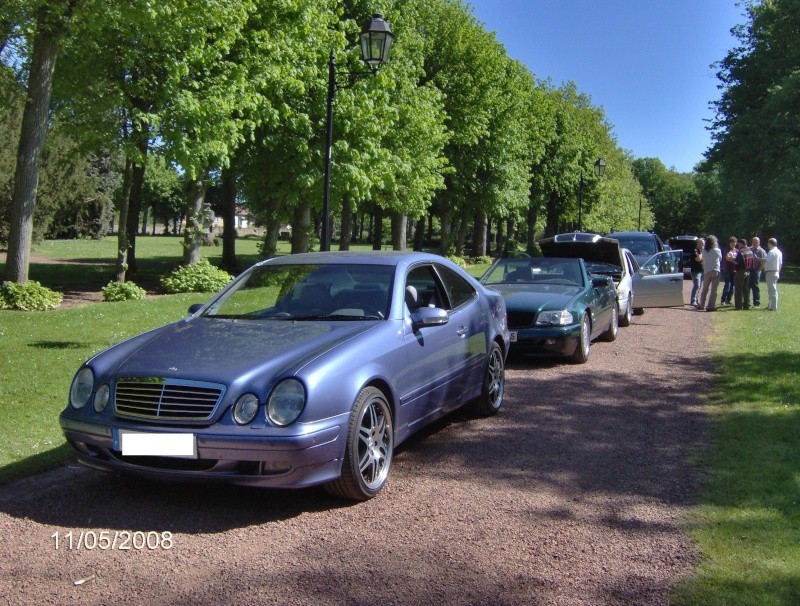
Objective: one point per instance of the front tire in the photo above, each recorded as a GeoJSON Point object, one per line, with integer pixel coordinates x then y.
{"type": "Point", "coordinates": [368, 453]}
{"type": "Point", "coordinates": [581, 354]}
{"type": "Point", "coordinates": [494, 382]}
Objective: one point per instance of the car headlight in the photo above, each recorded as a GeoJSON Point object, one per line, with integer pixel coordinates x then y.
{"type": "Point", "coordinates": [102, 397]}
{"type": "Point", "coordinates": [81, 389]}
{"type": "Point", "coordinates": [554, 318]}
{"type": "Point", "coordinates": [245, 409]}
{"type": "Point", "coordinates": [286, 402]}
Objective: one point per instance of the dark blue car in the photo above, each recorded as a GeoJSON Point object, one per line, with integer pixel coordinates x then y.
{"type": "Point", "coordinates": [307, 369]}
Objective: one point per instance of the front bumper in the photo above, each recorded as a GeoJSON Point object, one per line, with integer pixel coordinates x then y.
{"type": "Point", "coordinates": [251, 457]}
{"type": "Point", "coordinates": [547, 341]}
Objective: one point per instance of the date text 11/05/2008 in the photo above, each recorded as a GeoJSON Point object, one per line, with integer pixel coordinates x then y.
{"type": "Point", "coordinates": [124, 540]}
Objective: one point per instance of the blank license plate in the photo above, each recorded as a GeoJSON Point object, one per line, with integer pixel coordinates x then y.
{"type": "Point", "coordinates": [134, 443]}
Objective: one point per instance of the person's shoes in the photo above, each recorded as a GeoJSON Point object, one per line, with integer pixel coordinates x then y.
{"type": "Point", "coordinates": [711, 309]}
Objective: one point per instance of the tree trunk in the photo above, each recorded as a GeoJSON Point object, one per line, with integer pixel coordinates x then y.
{"type": "Point", "coordinates": [301, 228]}
{"type": "Point", "coordinates": [31, 142]}
{"type": "Point", "coordinates": [444, 244]}
{"type": "Point", "coordinates": [195, 221]}
{"type": "Point", "coordinates": [269, 248]}
{"type": "Point", "coordinates": [122, 232]}
{"type": "Point", "coordinates": [530, 240]}
{"type": "Point", "coordinates": [377, 228]}
{"type": "Point", "coordinates": [481, 227]}
{"type": "Point", "coordinates": [134, 208]}
{"type": "Point", "coordinates": [419, 234]}
{"type": "Point", "coordinates": [553, 215]}
{"type": "Point", "coordinates": [399, 231]}
{"type": "Point", "coordinates": [229, 220]}
{"type": "Point", "coordinates": [347, 223]}
{"type": "Point", "coordinates": [461, 236]}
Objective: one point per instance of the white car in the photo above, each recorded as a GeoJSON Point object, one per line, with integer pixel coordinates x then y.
{"type": "Point", "coordinates": [658, 283]}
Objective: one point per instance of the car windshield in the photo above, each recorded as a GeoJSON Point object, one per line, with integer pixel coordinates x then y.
{"type": "Point", "coordinates": [637, 245]}
{"type": "Point", "coordinates": [308, 292]}
{"type": "Point", "coordinates": [538, 270]}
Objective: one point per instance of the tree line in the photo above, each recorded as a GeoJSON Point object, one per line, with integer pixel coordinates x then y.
{"type": "Point", "coordinates": [117, 113]}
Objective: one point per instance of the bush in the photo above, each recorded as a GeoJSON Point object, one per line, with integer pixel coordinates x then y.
{"type": "Point", "coordinates": [123, 291]}
{"type": "Point", "coordinates": [200, 277]}
{"type": "Point", "coordinates": [484, 260]}
{"type": "Point", "coordinates": [30, 296]}
{"type": "Point", "coordinates": [458, 260]}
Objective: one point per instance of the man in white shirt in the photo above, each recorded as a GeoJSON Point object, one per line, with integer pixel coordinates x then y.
{"type": "Point", "coordinates": [772, 271]}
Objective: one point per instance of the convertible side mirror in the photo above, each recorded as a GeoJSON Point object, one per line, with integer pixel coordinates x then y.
{"type": "Point", "coordinates": [195, 308]}
{"type": "Point", "coordinates": [429, 316]}
{"type": "Point", "coordinates": [600, 281]}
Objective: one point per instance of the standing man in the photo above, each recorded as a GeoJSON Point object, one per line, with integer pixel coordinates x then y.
{"type": "Point", "coordinates": [727, 270]}
{"type": "Point", "coordinates": [758, 270]}
{"type": "Point", "coordinates": [741, 278]}
{"type": "Point", "coordinates": [772, 270]}
{"type": "Point", "coordinates": [696, 268]}
{"type": "Point", "coordinates": [712, 258]}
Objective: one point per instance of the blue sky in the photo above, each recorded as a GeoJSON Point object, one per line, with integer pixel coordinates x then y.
{"type": "Point", "coordinates": [647, 63]}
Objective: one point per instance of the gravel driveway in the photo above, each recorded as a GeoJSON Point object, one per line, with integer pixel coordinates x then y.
{"type": "Point", "coordinates": [574, 494]}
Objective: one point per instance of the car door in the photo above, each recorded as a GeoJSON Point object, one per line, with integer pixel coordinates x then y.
{"type": "Point", "coordinates": [659, 281]}
{"type": "Point", "coordinates": [438, 355]}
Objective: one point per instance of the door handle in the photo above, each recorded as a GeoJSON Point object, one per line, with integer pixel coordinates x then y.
{"type": "Point", "coordinates": [676, 279]}
{"type": "Point", "coordinates": [461, 332]}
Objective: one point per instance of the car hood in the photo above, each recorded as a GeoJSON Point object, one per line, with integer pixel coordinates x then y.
{"type": "Point", "coordinates": [225, 350]}
{"type": "Point", "coordinates": [526, 297]}
{"type": "Point", "coordinates": [604, 250]}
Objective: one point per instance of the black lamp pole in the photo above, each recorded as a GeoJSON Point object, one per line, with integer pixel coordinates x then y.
{"type": "Point", "coordinates": [376, 43]}
{"type": "Point", "coordinates": [640, 212]}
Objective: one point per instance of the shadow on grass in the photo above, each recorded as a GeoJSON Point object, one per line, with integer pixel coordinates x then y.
{"type": "Point", "coordinates": [37, 463]}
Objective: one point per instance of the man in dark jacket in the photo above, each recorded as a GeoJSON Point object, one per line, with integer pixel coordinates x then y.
{"type": "Point", "coordinates": [741, 277]}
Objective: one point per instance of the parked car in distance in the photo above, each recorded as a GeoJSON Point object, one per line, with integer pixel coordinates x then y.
{"type": "Point", "coordinates": [687, 245]}
{"type": "Point", "coordinates": [602, 256]}
{"type": "Point", "coordinates": [642, 244]}
{"type": "Point", "coordinates": [307, 369]}
{"type": "Point", "coordinates": [554, 306]}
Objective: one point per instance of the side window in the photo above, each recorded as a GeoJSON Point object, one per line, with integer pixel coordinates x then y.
{"type": "Point", "coordinates": [459, 291]}
{"type": "Point", "coordinates": [423, 289]}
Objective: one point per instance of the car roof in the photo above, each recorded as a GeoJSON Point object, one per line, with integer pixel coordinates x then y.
{"type": "Point", "coordinates": [362, 257]}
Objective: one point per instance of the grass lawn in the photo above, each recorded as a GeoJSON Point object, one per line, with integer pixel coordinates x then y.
{"type": "Point", "coordinates": [747, 525]}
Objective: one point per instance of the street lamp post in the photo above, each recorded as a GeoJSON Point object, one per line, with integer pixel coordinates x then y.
{"type": "Point", "coordinates": [376, 43]}
{"type": "Point", "coordinates": [599, 170]}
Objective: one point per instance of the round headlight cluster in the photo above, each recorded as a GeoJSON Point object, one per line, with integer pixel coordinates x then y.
{"type": "Point", "coordinates": [245, 409]}
{"type": "Point", "coordinates": [101, 398]}
{"type": "Point", "coordinates": [81, 389]}
{"type": "Point", "coordinates": [286, 402]}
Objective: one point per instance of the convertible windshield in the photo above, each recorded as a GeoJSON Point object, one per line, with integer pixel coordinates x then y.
{"type": "Point", "coordinates": [308, 292]}
{"type": "Point", "coordinates": [538, 270]}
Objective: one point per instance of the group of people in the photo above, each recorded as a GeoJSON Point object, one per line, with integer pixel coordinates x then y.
{"type": "Point", "coordinates": [741, 269]}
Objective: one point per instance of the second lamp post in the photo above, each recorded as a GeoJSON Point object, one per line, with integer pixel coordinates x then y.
{"type": "Point", "coordinates": [376, 43]}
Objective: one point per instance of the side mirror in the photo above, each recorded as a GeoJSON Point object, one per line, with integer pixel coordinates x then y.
{"type": "Point", "coordinates": [195, 308]}
{"type": "Point", "coordinates": [600, 281]}
{"type": "Point", "coordinates": [429, 316]}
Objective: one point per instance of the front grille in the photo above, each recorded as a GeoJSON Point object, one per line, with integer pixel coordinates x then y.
{"type": "Point", "coordinates": [166, 399]}
{"type": "Point", "coordinates": [520, 319]}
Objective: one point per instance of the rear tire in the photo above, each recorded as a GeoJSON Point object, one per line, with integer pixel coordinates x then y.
{"type": "Point", "coordinates": [368, 453]}
{"type": "Point", "coordinates": [611, 334]}
{"type": "Point", "coordinates": [494, 383]}
{"type": "Point", "coordinates": [582, 350]}
{"type": "Point", "coordinates": [625, 319]}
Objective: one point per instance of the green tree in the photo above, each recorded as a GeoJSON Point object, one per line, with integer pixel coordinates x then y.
{"type": "Point", "coordinates": [757, 125]}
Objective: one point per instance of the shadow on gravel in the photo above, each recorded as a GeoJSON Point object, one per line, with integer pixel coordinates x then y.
{"type": "Point", "coordinates": [629, 432]}
{"type": "Point", "coordinates": [76, 497]}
